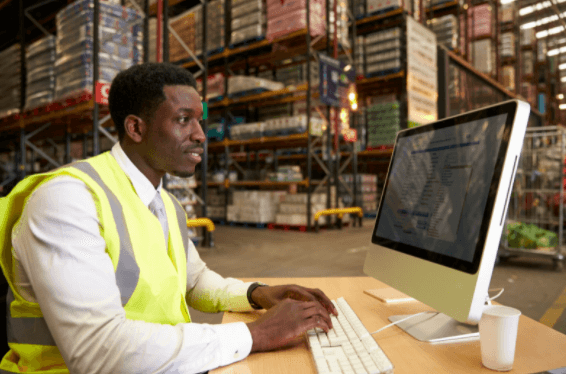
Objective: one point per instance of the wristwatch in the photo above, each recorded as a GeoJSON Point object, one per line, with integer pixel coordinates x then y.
{"type": "Point", "coordinates": [252, 287]}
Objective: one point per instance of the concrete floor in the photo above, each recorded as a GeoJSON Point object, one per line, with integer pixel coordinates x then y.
{"type": "Point", "coordinates": [531, 285]}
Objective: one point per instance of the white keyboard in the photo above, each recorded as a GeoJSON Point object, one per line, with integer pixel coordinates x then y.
{"type": "Point", "coordinates": [348, 348]}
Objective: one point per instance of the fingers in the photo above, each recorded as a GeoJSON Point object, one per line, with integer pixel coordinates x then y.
{"type": "Point", "coordinates": [317, 322]}
{"type": "Point", "coordinates": [314, 309]}
{"type": "Point", "coordinates": [324, 300]}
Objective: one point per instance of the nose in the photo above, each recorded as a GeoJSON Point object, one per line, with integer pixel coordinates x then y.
{"type": "Point", "coordinates": [197, 135]}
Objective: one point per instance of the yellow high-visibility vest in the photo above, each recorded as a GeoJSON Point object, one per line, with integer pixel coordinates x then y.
{"type": "Point", "coordinates": [152, 279]}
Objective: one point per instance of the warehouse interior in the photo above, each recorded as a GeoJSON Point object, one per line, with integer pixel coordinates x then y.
{"type": "Point", "coordinates": [291, 180]}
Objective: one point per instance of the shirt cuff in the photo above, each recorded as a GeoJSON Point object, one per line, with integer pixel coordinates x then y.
{"type": "Point", "coordinates": [239, 298]}
{"type": "Point", "coordinates": [235, 342]}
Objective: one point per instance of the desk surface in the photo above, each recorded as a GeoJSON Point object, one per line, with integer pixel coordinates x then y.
{"type": "Point", "coordinates": [539, 347]}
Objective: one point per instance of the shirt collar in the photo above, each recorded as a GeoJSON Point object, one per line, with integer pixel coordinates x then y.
{"type": "Point", "coordinates": [143, 187]}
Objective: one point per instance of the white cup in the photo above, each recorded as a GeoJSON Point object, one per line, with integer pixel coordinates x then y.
{"type": "Point", "coordinates": [498, 336]}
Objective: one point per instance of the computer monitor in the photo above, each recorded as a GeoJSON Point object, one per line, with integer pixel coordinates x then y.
{"type": "Point", "coordinates": [442, 212]}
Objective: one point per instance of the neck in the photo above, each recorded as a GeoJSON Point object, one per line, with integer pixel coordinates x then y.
{"type": "Point", "coordinates": [138, 159]}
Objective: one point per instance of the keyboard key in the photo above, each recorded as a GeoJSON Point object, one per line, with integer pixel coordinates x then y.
{"type": "Point", "coordinates": [348, 348]}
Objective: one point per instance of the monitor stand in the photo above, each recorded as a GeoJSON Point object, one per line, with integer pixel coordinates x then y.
{"type": "Point", "coordinates": [436, 327]}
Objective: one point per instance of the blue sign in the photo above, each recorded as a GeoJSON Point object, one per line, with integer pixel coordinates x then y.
{"type": "Point", "coordinates": [334, 81]}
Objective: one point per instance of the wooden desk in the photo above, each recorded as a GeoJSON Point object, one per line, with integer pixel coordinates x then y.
{"type": "Point", "coordinates": [539, 347]}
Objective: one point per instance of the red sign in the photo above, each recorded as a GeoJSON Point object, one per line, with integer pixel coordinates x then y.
{"type": "Point", "coordinates": [351, 135]}
{"type": "Point", "coordinates": [101, 93]}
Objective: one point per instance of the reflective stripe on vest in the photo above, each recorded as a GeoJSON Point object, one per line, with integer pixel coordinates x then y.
{"type": "Point", "coordinates": [28, 330]}
{"type": "Point", "coordinates": [127, 271]}
{"type": "Point", "coordinates": [182, 220]}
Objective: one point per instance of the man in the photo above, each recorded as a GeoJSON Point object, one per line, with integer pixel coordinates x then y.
{"type": "Point", "coordinates": [100, 267]}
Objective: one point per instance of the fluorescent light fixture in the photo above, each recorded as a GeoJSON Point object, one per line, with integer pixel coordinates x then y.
{"type": "Point", "coordinates": [560, 96]}
{"type": "Point", "coordinates": [554, 52]}
{"type": "Point", "coordinates": [562, 66]}
{"type": "Point", "coordinates": [552, 31]}
{"type": "Point", "coordinates": [562, 106]}
{"type": "Point", "coordinates": [534, 8]}
{"type": "Point", "coordinates": [563, 79]}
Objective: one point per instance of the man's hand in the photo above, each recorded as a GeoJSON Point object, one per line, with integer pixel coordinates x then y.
{"type": "Point", "coordinates": [282, 324]}
{"type": "Point", "coordinates": [267, 297]}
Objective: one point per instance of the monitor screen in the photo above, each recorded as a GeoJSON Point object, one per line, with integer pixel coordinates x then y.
{"type": "Point", "coordinates": [441, 188]}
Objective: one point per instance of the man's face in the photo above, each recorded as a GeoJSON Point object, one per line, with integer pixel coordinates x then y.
{"type": "Point", "coordinates": [175, 135]}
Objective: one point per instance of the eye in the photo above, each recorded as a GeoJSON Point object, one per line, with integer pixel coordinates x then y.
{"type": "Point", "coordinates": [184, 119]}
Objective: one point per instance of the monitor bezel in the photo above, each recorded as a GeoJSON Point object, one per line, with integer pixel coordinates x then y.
{"type": "Point", "coordinates": [509, 108]}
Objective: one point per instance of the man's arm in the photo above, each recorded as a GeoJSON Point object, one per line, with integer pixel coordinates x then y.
{"type": "Point", "coordinates": [59, 246]}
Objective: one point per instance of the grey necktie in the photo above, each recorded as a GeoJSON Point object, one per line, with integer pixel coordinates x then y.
{"type": "Point", "coordinates": [158, 209]}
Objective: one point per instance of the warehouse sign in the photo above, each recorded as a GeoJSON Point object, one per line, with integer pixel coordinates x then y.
{"type": "Point", "coordinates": [101, 91]}
{"type": "Point", "coordinates": [335, 81]}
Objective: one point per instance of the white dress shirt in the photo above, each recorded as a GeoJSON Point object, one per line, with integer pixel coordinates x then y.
{"type": "Point", "coordinates": [61, 263]}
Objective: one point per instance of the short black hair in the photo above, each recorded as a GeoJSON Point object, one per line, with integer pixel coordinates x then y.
{"type": "Point", "coordinates": [139, 91]}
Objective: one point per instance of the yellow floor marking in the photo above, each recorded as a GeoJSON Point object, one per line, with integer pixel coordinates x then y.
{"type": "Point", "coordinates": [553, 313]}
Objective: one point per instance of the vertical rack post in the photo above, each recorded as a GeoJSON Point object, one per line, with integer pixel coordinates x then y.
{"type": "Point", "coordinates": [166, 31]}
{"type": "Point", "coordinates": [146, 31]}
{"type": "Point", "coordinates": [22, 166]}
{"type": "Point", "coordinates": [443, 83]}
{"type": "Point", "coordinates": [329, 123]}
{"type": "Point", "coordinates": [160, 32]}
{"type": "Point", "coordinates": [336, 112]}
{"type": "Point", "coordinates": [95, 50]}
{"type": "Point", "coordinates": [354, 115]}
{"type": "Point", "coordinates": [497, 56]}
{"type": "Point", "coordinates": [204, 165]}
{"type": "Point", "coordinates": [67, 145]}
{"type": "Point", "coordinates": [309, 140]}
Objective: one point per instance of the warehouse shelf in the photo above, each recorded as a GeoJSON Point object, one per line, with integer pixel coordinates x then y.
{"type": "Point", "coordinates": [379, 17]}
{"type": "Point", "coordinates": [442, 9]}
{"type": "Point", "coordinates": [227, 183]}
{"type": "Point", "coordinates": [289, 141]}
{"type": "Point", "coordinates": [259, 97]}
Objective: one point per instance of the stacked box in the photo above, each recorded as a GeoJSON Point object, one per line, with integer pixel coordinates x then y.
{"type": "Point", "coordinates": [376, 6]}
{"type": "Point", "coordinates": [542, 50]}
{"type": "Point", "coordinates": [366, 195]}
{"type": "Point", "coordinates": [527, 36]}
{"type": "Point", "coordinates": [119, 39]}
{"type": "Point", "coordinates": [216, 204]}
{"type": "Point", "coordinates": [480, 21]}
{"type": "Point", "coordinates": [214, 86]}
{"type": "Point", "coordinates": [529, 92]}
{"type": "Point", "coordinates": [254, 206]}
{"type": "Point", "coordinates": [360, 56]}
{"type": "Point", "coordinates": [509, 77]}
{"type": "Point", "coordinates": [241, 83]}
{"type": "Point", "coordinates": [185, 26]}
{"type": "Point", "coordinates": [383, 51]}
{"type": "Point", "coordinates": [40, 83]}
{"type": "Point", "coordinates": [248, 20]}
{"type": "Point", "coordinates": [293, 208]}
{"type": "Point", "coordinates": [507, 12]}
{"type": "Point", "coordinates": [274, 111]}
{"type": "Point", "coordinates": [483, 56]}
{"type": "Point", "coordinates": [527, 62]}
{"type": "Point", "coordinates": [507, 45]}
{"type": "Point", "coordinates": [360, 8]}
{"type": "Point", "coordinates": [297, 74]}
{"type": "Point", "coordinates": [215, 28]}
{"type": "Point", "coordinates": [446, 30]}
{"type": "Point", "coordinates": [274, 127]}
{"type": "Point", "coordinates": [286, 174]}
{"type": "Point", "coordinates": [287, 17]}
{"type": "Point", "coordinates": [10, 81]}
{"type": "Point", "coordinates": [383, 123]}
{"type": "Point", "coordinates": [341, 21]}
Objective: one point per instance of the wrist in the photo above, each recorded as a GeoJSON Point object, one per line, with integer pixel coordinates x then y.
{"type": "Point", "coordinates": [254, 293]}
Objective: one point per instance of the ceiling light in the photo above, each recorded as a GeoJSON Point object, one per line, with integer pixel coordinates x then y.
{"type": "Point", "coordinates": [560, 96]}
{"type": "Point", "coordinates": [562, 106]}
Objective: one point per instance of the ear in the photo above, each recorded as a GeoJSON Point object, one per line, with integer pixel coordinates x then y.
{"type": "Point", "coordinates": [136, 128]}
